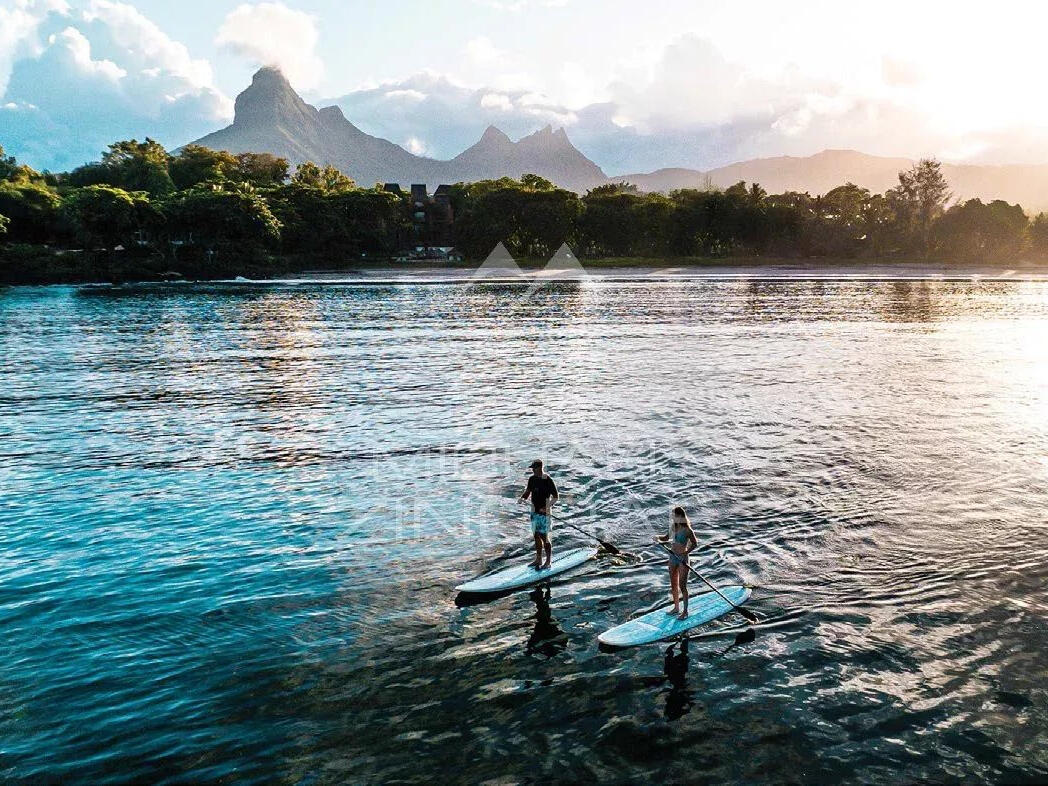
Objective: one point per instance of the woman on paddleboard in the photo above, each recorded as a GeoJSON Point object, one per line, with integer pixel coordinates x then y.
{"type": "Point", "coordinates": [681, 540]}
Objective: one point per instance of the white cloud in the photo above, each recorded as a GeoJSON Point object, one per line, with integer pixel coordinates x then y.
{"type": "Point", "coordinates": [74, 45]}
{"type": "Point", "coordinates": [552, 115]}
{"type": "Point", "coordinates": [513, 81]}
{"type": "Point", "coordinates": [78, 82]}
{"type": "Point", "coordinates": [452, 116]}
{"type": "Point", "coordinates": [693, 84]}
{"type": "Point", "coordinates": [532, 99]}
{"type": "Point", "coordinates": [691, 108]}
{"type": "Point", "coordinates": [271, 34]}
{"type": "Point", "coordinates": [500, 70]}
{"type": "Point", "coordinates": [496, 101]}
{"type": "Point", "coordinates": [578, 87]}
{"type": "Point", "coordinates": [899, 72]}
{"type": "Point", "coordinates": [538, 105]}
{"type": "Point", "coordinates": [516, 6]}
{"type": "Point", "coordinates": [406, 95]}
{"type": "Point", "coordinates": [415, 145]}
{"type": "Point", "coordinates": [145, 46]}
{"type": "Point", "coordinates": [482, 52]}
{"type": "Point", "coordinates": [19, 22]}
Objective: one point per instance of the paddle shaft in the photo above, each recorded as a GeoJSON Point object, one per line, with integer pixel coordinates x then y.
{"type": "Point", "coordinates": [747, 614]}
{"type": "Point", "coordinates": [608, 547]}
{"type": "Point", "coordinates": [604, 544]}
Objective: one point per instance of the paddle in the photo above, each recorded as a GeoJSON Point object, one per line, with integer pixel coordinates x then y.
{"type": "Point", "coordinates": [608, 547]}
{"type": "Point", "coordinates": [744, 612]}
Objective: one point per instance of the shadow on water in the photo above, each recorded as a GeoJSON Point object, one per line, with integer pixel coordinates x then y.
{"type": "Point", "coordinates": [676, 661]}
{"type": "Point", "coordinates": [547, 639]}
{"type": "Point", "coordinates": [745, 637]}
{"type": "Point", "coordinates": [465, 600]}
{"type": "Point", "coordinates": [675, 666]}
{"type": "Point", "coordinates": [540, 594]}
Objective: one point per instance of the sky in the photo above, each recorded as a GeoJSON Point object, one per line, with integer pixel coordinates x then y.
{"type": "Point", "coordinates": [637, 86]}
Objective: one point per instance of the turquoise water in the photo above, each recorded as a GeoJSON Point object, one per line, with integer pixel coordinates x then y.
{"type": "Point", "coordinates": [232, 518]}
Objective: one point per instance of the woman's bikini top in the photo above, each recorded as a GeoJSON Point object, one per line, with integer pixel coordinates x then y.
{"type": "Point", "coordinates": [681, 537]}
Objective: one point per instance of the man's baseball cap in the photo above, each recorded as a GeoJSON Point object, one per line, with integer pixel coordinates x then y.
{"type": "Point", "coordinates": [535, 463]}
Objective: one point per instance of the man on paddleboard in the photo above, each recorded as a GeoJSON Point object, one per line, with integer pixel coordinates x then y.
{"type": "Point", "coordinates": [543, 493]}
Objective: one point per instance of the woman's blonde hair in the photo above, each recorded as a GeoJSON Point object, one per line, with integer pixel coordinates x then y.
{"type": "Point", "coordinates": [679, 519]}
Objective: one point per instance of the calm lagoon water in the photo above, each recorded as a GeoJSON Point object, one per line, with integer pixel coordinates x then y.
{"type": "Point", "coordinates": [232, 518]}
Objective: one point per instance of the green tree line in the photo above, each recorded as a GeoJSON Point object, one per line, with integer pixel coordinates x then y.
{"type": "Point", "coordinates": [142, 210]}
{"type": "Point", "coordinates": [203, 213]}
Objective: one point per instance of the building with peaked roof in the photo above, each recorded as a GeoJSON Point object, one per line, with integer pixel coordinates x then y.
{"type": "Point", "coordinates": [432, 217]}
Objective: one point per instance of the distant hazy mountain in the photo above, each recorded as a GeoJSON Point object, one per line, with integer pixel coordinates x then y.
{"type": "Point", "coordinates": [817, 174]}
{"type": "Point", "coordinates": [272, 118]}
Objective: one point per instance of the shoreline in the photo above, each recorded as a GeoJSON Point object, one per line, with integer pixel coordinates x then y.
{"type": "Point", "coordinates": [629, 270]}
{"type": "Point", "coordinates": [613, 269]}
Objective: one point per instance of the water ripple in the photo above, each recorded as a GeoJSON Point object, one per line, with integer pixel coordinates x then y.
{"type": "Point", "coordinates": [232, 518]}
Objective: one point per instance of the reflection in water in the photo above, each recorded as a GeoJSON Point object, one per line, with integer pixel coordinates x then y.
{"type": "Point", "coordinates": [239, 512]}
{"type": "Point", "coordinates": [678, 698]}
{"type": "Point", "coordinates": [911, 301]}
{"type": "Point", "coordinates": [547, 639]}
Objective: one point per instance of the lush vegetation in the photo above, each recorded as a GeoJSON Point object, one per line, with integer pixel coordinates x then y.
{"type": "Point", "coordinates": [142, 212]}
{"type": "Point", "coordinates": [911, 221]}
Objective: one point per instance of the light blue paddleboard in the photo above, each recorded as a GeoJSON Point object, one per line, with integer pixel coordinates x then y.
{"type": "Point", "coordinates": [523, 575]}
{"type": "Point", "coordinates": [660, 625]}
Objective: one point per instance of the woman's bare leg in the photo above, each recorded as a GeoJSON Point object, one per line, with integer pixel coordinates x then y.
{"type": "Point", "coordinates": [682, 576]}
{"type": "Point", "coordinates": [673, 589]}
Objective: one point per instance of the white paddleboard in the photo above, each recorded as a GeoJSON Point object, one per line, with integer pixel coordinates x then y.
{"type": "Point", "coordinates": [523, 575]}
{"type": "Point", "coordinates": [660, 625]}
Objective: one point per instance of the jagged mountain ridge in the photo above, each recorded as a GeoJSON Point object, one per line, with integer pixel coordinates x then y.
{"type": "Point", "coordinates": [271, 117]}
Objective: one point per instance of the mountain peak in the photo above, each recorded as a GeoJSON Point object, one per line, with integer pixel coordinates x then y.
{"type": "Point", "coordinates": [270, 78]}
{"type": "Point", "coordinates": [494, 135]}
{"type": "Point", "coordinates": [548, 139]}
{"type": "Point", "coordinates": [268, 71]}
{"type": "Point", "coordinates": [334, 112]}
{"type": "Point", "coordinates": [270, 97]}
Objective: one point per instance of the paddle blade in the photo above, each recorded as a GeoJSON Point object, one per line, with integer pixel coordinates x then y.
{"type": "Point", "coordinates": [608, 547]}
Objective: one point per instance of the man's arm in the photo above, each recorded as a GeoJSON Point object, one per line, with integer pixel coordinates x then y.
{"type": "Point", "coordinates": [554, 495]}
{"type": "Point", "coordinates": [527, 491]}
